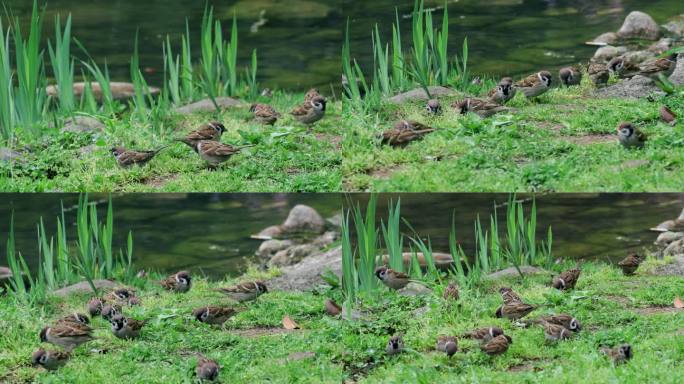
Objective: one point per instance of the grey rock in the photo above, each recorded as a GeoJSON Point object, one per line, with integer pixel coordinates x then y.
{"type": "Point", "coordinates": [120, 91]}
{"type": "Point", "coordinates": [661, 46]}
{"type": "Point", "coordinates": [293, 255]}
{"type": "Point", "coordinates": [677, 76]}
{"type": "Point", "coordinates": [675, 26]}
{"type": "Point", "coordinates": [665, 238]}
{"type": "Point", "coordinates": [420, 312]}
{"type": "Point", "coordinates": [442, 260]}
{"type": "Point", "coordinates": [207, 105]}
{"type": "Point", "coordinates": [269, 248]}
{"type": "Point", "coordinates": [675, 248]}
{"type": "Point", "coordinates": [272, 232]}
{"type": "Point", "coordinates": [303, 218]}
{"type": "Point", "coordinates": [419, 94]}
{"type": "Point", "coordinates": [414, 289]}
{"type": "Point", "coordinates": [638, 86]}
{"type": "Point", "coordinates": [608, 38]}
{"type": "Point", "coordinates": [608, 52]}
{"type": "Point", "coordinates": [512, 272]}
{"type": "Point", "coordinates": [326, 239]}
{"type": "Point", "coordinates": [294, 356]}
{"type": "Point", "coordinates": [306, 274]}
{"type": "Point", "coordinates": [637, 57]}
{"type": "Point", "coordinates": [675, 268]}
{"type": "Point", "coordinates": [83, 124]}
{"type": "Point", "coordinates": [335, 222]}
{"type": "Point", "coordinates": [639, 25]}
{"type": "Point", "coordinates": [9, 155]}
{"type": "Point", "coordinates": [84, 287]}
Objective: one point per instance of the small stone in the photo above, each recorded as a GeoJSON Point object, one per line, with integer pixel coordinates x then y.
{"type": "Point", "coordinates": [303, 218]}
{"type": "Point", "coordinates": [83, 124]}
{"type": "Point", "coordinates": [414, 289]}
{"type": "Point", "coordinates": [675, 26]}
{"type": "Point", "coordinates": [608, 52]}
{"type": "Point", "coordinates": [608, 38]}
{"type": "Point", "coordinates": [269, 248]}
{"type": "Point", "coordinates": [639, 25]}
{"type": "Point", "coordinates": [84, 287]}
{"type": "Point", "coordinates": [207, 105]}
{"type": "Point", "coordinates": [293, 255]}
{"type": "Point", "coordinates": [637, 57]}
{"type": "Point", "coordinates": [675, 248]}
{"type": "Point", "coordinates": [9, 155]}
{"type": "Point", "coordinates": [666, 238]}
{"type": "Point", "coordinates": [661, 46]}
{"type": "Point", "coordinates": [272, 232]}
{"type": "Point", "coordinates": [325, 239]}
{"type": "Point", "coordinates": [419, 94]}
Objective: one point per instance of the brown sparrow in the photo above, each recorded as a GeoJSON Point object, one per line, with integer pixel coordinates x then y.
{"type": "Point", "coordinates": [245, 291]}
{"type": "Point", "coordinates": [126, 327]}
{"type": "Point", "coordinates": [619, 354]}
{"type": "Point", "coordinates": [535, 85]}
{"type": "Point", "coordinates": [95, 306]}
{"type": "Point", "coordinates": [311, 111]}
{"type": "Point", "coordinates": [312, 94]}
{"type": "Point", "coordinates": [119, 295]}
{"type": "Point", "coordinates": [332, 308]}
{"type": "Point", "coordinates": [207, 369]}
{"type": "Point", "coordinates": [654, 68]}
{"type": "Point", "coordinates": [496, 345]}
{"type": "Point", "coordinates": [434, 107]}
{"type": "Point", "coordinates": [570, 76]}
{"type": "Point", "coordinates": [564, 320]}
{"type": "Point", "coordinates": [395, 345]}
{"type": "Point", "coordinates": [483, 108]}
{"type": "Point", "coordinates": [503, 92]}
{"type": "Point", "coordinates": [509, 296]}
{"type": "Point", "coordinates": [264, 113]}
{"type": "Point", "coordinates": [213, 315]}
{"type": "Point", "coordinates": [630, 136]}
{"type": "Point", "coordinates": [211, 131]}
{"type": "Point", "coordinates": [391, 278]}
{"type": "Point", "coordinates": [50, 360]}
{"type": "Point", "coordinates": [216, 153]}
{"type": "Point", "coordinates": [668, 116]}
{"type": "Point", "coordinates": [126, 158]}
{"type": "Point", "coordinates": [447, 344]}
{"type": "Point", "coordinates": [74, 318]}
{"type": "Point", "coordinates": [566, 280]}
{"type": "Point", "coordinates": [110, 310]}
{"type": "Point", "coordinates": [623, 68]}
{"type": "Point", "coordinates": [485, 334]}
{"type": "Point", "coordinates": [451, 292]}
{"type": "Point", "coordinates": [555, 332]}
{"type": "Point", "coordinates": [630, 264]}
{"type": "Point", "coordinates": [405, 132]}
{"type": "Point", "coordinates": [67, 336]}
{"type": "Point", "coordinates": [178, 282]}
{"type": "Point", "coordinates": [599, 73]}
{"type": "Point", "coordinates": [514, 310]}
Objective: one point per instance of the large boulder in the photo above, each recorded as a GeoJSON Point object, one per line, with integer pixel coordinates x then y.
{"type": "Point", "coordinates": [120, 91]}
{"type": "Point", "coordinates": [83, 124]}
{"type": "Point", "coordinates": [207, 105]}
{"type": "Point", "coordinates": [675, 26]}
{"type": "Point", "coordinates": [84, 287]}
{"type": "Point", "coordinates": [675, 248]}
{"type": "Point", "coordinates": [634, 88]}
{"type": "Point", "coordinates": [639, 25]}
{"type": "Point", "coordinates": [665, 238]}
{"type": "Point", "coordinates": [512, 272]}
{"type": "Point", "coordinates": [303, 218]}
{"type": "Point", "coordinates": [306, 274]}
{"type": "Point", "coordinates": [419, 94]}
{"type": "Point", "coordinates": [608, 52]}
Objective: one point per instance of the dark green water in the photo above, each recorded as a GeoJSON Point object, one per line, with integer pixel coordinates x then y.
{"type": "Point", "coordinates": [508, 36]}
{"type": "Point", "coordinates": [298, 44]}
{"type": "Point", "coordinates": [211, 231]}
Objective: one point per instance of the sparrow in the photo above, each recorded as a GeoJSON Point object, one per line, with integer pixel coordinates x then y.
{"type": "Point", "coordinates": [514, 310]}
{"type": "Point", "coordinates": [619, 354]}
{"type": "Point", "coordinates": [630, 264]}
{"type": "Point", "coordinates": [434, 107]}
{"type": "Point", "coordinates": [178, 282]}
{"type": "Point", "coordinates": [447, 344]}
{"type": "Point", "coordinates": [395, 345]}
{"type": "Point", "coordinates": [562, 319]}
{"type": "Point", "coordinates": [207, 369]}
{"type": "Point", "coordinates": [496, 345]}
{"type": "Point", "coordinates": [213, 315]}
{"type": "Point", "coordinates": [312, 94]}
{"type": "Point", "coordinates": [332, 308]}
{"type": "Point", "coordinates": [656, 67]}
{"type": "Point", "coordinates": [599, 73]}
{"type": "Point", "coordinates": [264, 114]}
{"type": "Point", "coordinates": [216, 153]}
{"type": "Point", "coordinates": [311, 111]}
{"type": "Point", "coordinates": [267, 92]}
{"type": "Point", "coordinates": [126, 327]}
{"type": "Point", "coordinates": [630, 136]}
{"type": "Point", "coordinates": [405, 132]}
{"type": "Point", "coordinates": [503, 92]}
{"type": "Point", "coordinates": [94, 306]}
{"type": "Point", "coordinates": [211, 131]}
{"type": "Point", "coordinates": [451, 292]}
{"type": "Point", "coordinates": [535, 85]}
{"type": "Point", "coordinates": [50, 360]}
{"type": "Point", "coordinates": [74, 318]}
{"type": "Point", "coordinates": [483, 108]}
{"type": "Point", "coordinates": [67, 336]}
{"type": "Point", "coordinates": [668, 116]}
{"type": "Point", "coordinates": [570, 76]}
{"type": "Point", "coordinates": [110, 310]}
{"type": "Point", "coordinates": [566, 280]}
{"type": "Point", "coordinates": [509, 296]}
{"type": "Point", "coordinates": [486, 334]}
{"type": "Point", "coordinates": [245, 291]}
{"type": "Point", "coordinates": [119, 295]}
{"type": "Point", "coordinates": [128, 158]}
{"type": "Point", "coordinates": [623, 68]}
{"type": "Point", "coordinates": [391, 278]}
{"type": "Point", "coordinates": [555, 332]}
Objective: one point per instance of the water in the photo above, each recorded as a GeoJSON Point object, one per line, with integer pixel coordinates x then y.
{"type": "Point", "coordinates": [210, 232]}
{"type": "Point", "coordinates": [513, 37]}
{"type": "Point", "coordinates": [298, 44]}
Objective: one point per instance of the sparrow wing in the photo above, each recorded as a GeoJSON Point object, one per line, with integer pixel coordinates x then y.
{"type": "Point", "coordinates": [302, 110]}
{"type": "Point", "coordinates": [527, 82]}
{"type": "Point", "coordinates": [206, 133]}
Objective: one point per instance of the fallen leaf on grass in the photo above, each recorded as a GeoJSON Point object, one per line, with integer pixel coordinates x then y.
{"type": "Point", "coordinates": [289, 323]}
{"type": "Point", "coordinates": [678, 303]}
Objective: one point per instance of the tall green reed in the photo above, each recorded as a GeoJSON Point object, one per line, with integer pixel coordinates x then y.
{"type": "Point", "coordinates": [63, 64]}
{"type": "Point", "coordinates": [7, 108]}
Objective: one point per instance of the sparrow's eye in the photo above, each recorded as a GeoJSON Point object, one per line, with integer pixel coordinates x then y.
{"type": "Point", "coordinates": [204, 315]}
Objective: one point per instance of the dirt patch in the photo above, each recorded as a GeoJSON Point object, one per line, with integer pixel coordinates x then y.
{"type": "Point", "coordinates": [335, 140]}
{"type": "Point", "coordinates": [385, 173]}
{"type": "Point", "coordinates": [619, 299]}
{"type": "Point", "coordinates": [531, 365]}
{"type": "Point", "coordinates": [589, 139]}
{"type": "Point", "coordinates": [158, 181]}
{"type": "Point", "coordinates": [656, 310]}
{"type": "Point", "coordinates": [549, 126]}
{"type": "Point", "coordinates": [260, 332]}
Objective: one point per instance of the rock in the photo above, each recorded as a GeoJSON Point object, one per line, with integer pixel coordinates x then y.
{"type": "Point", "coordinates": [207, 105]}
{"type": "Point", "coordinates": [662, 45]}
{"type": "Point", "coordinates": [419, 94]}
{"type": "Point", "coordinates": [665, 238]}
{"type": "Point", "coordinates": [675, 268]}
{"type": "Point", "coordinates": [293, 255]}
{"type": "Point", "coordinates": [675, 26]}
{"type": "Point", "coordinates": [269, 248]}
{"type": "Point", "coordinates": [9, 155]}
{"type": "Point", "coordinates": [512, 272]}
{"type": "Point", "coordinates": [420, 312]}
{"type": "Point", "coordinates": [306, 274]}
{"type": "Point", "coordinates": [83, 124]}
{"type": "Point", "coordinates": [608, 52]}
{"type": "Point", "coordinates": [335, 222]}
{"type": "Point", "coordinates": [272, 232]}
{"type": "Point", "coordinates": [638, 86]}
{"type": "Point", "coordinates": [638, 57]}
{"type": "Point", "coordinates": [325, 239]}
{"type": "Point", "coordinates": [677, 76]}
{"type": "Point", "coordinates": [675, 248]}
{"type": "Point", "coordinates": [414, 289]}
{"type": "Point", "coordinates": [353, 315]}
{"type": "Point", "coordinates": [84, 287]}
{"type": "Point", "coordinates": [608, 38]}
{"type": "Point", "coordinates": [443, 261]}
{"type": "Point", "coordinates": [120, 91]}
{"type": "Point", "coordinates": [303, 218]}
{"type": "Point", "coordinates": [639, 25]}
{"type": "Point", "coordinates": [670, 225]}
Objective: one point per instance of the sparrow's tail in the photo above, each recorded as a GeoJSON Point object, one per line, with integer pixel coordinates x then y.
{"type": "Point", "coordinates": [160, 149]}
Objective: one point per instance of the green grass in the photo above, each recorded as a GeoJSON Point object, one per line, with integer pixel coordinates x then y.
{"type": "Point", "coordinates": [565, 142]}
{"type": "Point", "coordinates": [606, 303]}
{"type": "Point", "coordinates": [287, 157]}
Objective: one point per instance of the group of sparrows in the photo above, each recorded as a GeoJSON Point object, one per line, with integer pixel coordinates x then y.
{"type": "Point", "coordinates": [206, 140]}
{"type": "Point", "coordinates": [493, 340]}
{"type": "Point", "coordinates": [536, 85]}
{"type": "Point", "coordinates": [74, 329]}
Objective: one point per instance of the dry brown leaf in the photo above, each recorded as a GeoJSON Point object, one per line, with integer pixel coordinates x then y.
{"type": "Point", "coordinates": [678, 303]}
{"type": "Point", "coordinates": [289, 323]}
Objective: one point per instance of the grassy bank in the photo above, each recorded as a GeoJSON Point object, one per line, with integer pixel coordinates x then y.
{"type": "Point", "coordinates": [253, 347]}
